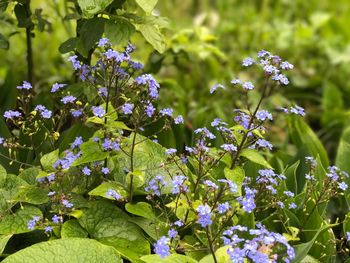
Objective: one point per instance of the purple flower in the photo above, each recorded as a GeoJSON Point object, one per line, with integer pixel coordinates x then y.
{"type": "Point", "coordinates": [77, 113]}
{"type": "Point", "coordinates": [113, 194]}
{"type": "Point", "coordinates": [178, 184]}
{"type": "Point", "coordinates": [105, 170]}
{"type": "Point", "coordinates": [264, 144]}
{"type": "Point", "coordinates": [32, 223]}
{"type": "Point", "coordinates": [292, 206]}
{"type": "Point", "coordinates": [262, 115]}
{"type": "Point", "coordinates": [118, 57]}
{"type": "Point", "coordinates": [211, 184]}
{"type": "Point", "coordinates": [178, 223]}
{"type": "Point", "coordinates": [229, 147]}
{"type": "Point", "coordinates": [236, 81]}
{"type": "Point", "coordinates": [48, 229]}
{"type": "Point", "coordinates": [136, 65]}
{"type": "Point", "coordinates": [103, 91]}
{"type": "Point", "coordinates": [2, 140]}
{"type": "Point", "coordinates": [77, 142]}
{"type": "Point", "coordinates": [56, 219]}
{"type": "Point", "coordinates": [103, 41]}
{"type": "Point", "coordinates": [297, 110]}
{"type": "Point", "coordinates": [170, 151]}
{"type": "Point", "coordinates": [204, 215]}
{"type": "Point", "coordinates": [152, 84]}
{"type": "Point", "coordinates": [286, 65]}
{"type": "Point", "coordinates": [155, 185]}
{"type": "Point", "coordinates": [127, 108]}
{"type": "Point", "coordinates": [75, 63]}
{"type": "Point", "coordinates": [52, 193]}
{"type": "Point", "coordinates": [172, 233]}
{"type": "Point", "coordinates": [45, 113]}
{"type": "Point", "coordinates": [263, 53]}
{"type": "Point", "coordinates": [247, 201]}
{"type": "Point", "coordinates": [98, 111]}
{"type": "Point", "coordinates": [66, 203]}
{"type": "Point", "coordinates": [289, 193]}
{"type": "Point", "coordinates": [150, 110]}
{"type": "Point", "coordinates": [68, 99]}
{"type": "Point", "coordinates": [56, 86]}
{"type": "Point", "coordinates": [248, 85]}
{"type": "Point", "coordinates": [343, 186]}
{"type": "Point", "coordinates": [248, 62]}
{"type": "Point", "coordinates": [215, 87]}
{"type": "Point", "coordinates": [26, 85]}
{"type": "Point", "coordinates": [86, 171]}
{"type": "Point", "coordinates": [12, 114]}
{"type": "Point", "coordinates": [223, 208]}
{"type": "Point", "coordinates": [161, 247]}
{"type": "Point", "coordinates": [166, 112]}
{"type": "Point", "coordinates": [179, 119]}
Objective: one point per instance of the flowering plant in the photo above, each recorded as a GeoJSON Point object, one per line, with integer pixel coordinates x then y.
{"type": "Point", "coordinates": [114, 183]}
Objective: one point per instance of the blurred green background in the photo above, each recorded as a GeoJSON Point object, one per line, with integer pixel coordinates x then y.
{"type": "Point", "coordinates": [205, 44]}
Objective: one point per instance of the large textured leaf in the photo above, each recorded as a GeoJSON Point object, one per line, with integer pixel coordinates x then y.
{"type": "Point", "coordinates": [49, 159]}
{"type": "Point", "coordinates": [153, 36]}
{"type": "Point", "coordinates": [174, 258]}
{"type": "Point", "coordinates": [91, 152]}
{"type": "Point", "coordinates": [141, 209]}
{"type": "Point", "coordinates": [32, 195]}
{"type": "Point", "coordinates": [108, 224]}
{"type": "Point", "coordinates": [92, 7]}
{"type": "Point", "coordinates": [3, 241]}
{"type": "Point", "coordinates": [119, 30]}
{"type": "Point", "coordinates": [18, 222]}
{"type": "Point", "coordinates": [255, 157]}
{"type": "Point", "coordinates": [72, 228]}
{"type": "Point", "coordinates": [77, 250]}
{"type": "Point", "coordinates": [147, 5]}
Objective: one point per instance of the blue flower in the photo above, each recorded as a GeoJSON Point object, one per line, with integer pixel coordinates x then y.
{"type": "Point", "coordinates": [105, 170]}
{"type": "Point", "coordinates": [45, 113]}
{"type": "Point", "coordinates": [32, 223]}
{"type": "Point", "coordinates": [204, 215]}
{"type": "Point", "coordinates": [150, 110]}
{"type": "Point", "coordinates": [155, 184]}
{"type": "Point", "coordinates": [229, 147]}
{"type": "Point", "coordinates": [170, 151]}
{"type": "Point", "coordinates": [68, 99]}
{"type": "Point", "coordinates": [161, 247]}
{"type": "Point", "coordinates": [289, 193]}
{"type": "Point", "coordinates": [166, 112]}
{"type": "Point", "coordinates": [248, 85]}
{"type": "Point", "coordinates": [215, 87]}
{"type": "Point", "coordinates": [286, 65]}
{"type": "Point", "coordinates": [178, 184]}
{"type": "Point", "coordinates": [179, 119]}
{"type": "Point", "coordinates": [343, 186]}
{"type": "Point", "coordinates": [48, 229]}
{"type": "Point", "coordinates": [264, 144]}
{"type": "Point", "coordinates": [26, 85]}
{"type": "Point", "coordinates": [127, 108]}
{"type": "Point", "coordinates": [172, 233]}
{"type": "Point", "coordinates": [223, 208]}
{"type": "Point", "coordinates": [12, 114]}
{"type": "Point", "coordinates": [56, 86]}
{"type": "Point", "coordinates": [262, 115]}
{"type": "Point", "coordinates": [103, 42]}
{"type": "Point", "coordinates": [248, 62]}
{"type": "Point", "coordinates": [247, 201]}
{"type": "Point", "coordinates": [75, 63]}
{"type": "Point", "coordinates": [113, 194]}
{"type": "Point", "coordinates": [66, 203]}
{"type": "Point", "coordinates": [77, 142]}
{"type": "Point", "coordinates": [76, 113]}
{"type": "Point", "coordinates": [56, 219]}
{"type": "Point", "coordinates": [98, 111]}
{"type": "Point", "coordinates": [152, 84]}
{"type": "Point", "coordinates": [292, 206]}
{"type": "Point", "coordinates": [86, 171]}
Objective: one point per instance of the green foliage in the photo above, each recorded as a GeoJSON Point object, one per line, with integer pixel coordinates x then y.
{"type": "Point", "coordinates": [68, 250]}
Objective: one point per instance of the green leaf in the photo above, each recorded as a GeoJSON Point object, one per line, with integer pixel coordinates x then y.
{"type": "Point", "coordinates": [102, 189]}
{"type": "Point", "coordinates": [309, 259]}
{"type": "Point", "coordinates": [220, 254]}
{"type": "Point", "coordinates": [343, 153]}
{"type": "Point", "coordinates": [236, 175]}
{"type": "Point", "coordinates": [173, 258]}
{"type": "Point", "coordinates": [32, 195]}
{"type": "Point", "coordinates": [17, 223]}
{"type": "Point", "coordinates": [72, 228]}
{"type": "Point", "coordinates": [153, 36]}
{"type": "Point", "coordinates": [49, 159]}
{"type": "Point", "coordinates": [92, 7]}
{"type": "Point", "coordinates": [304, 138]}
{"type": "Point", "coordinates": [147, 5]}
{"type": "Point", "coordinates": [3, 241]}
{"type": "Point", "coordinates": [4, 43]}
{"type": "Point", "coordinates": [255, 157]}
{"type": "Point", "coordinates": [3, 175]}
{"type": "Point", "coordinates": [91, 152]}
{"type": "Point", "coordinates": [108, 224]}
{"type": "Point", "coordinates": [291, 178]}
{"type": "Point", "coordinates": [302, 250]}
{"type": "Point", "coordinates": [21, 15]}
{"type": "Point", "coordinates": [141, 209]}
{"type": "Point", "coordinates": [77, 250]}
{"type": "Point", "coordinates": [153, 228]}
{"type": "Point", "coordinates": [68, 45]}
{"type": "Point", "coordinates": [119, 30]}
{"type": "Point", "coordinates": [31, 174]}
{"type": "Point", "coordinates": [90, 33]}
